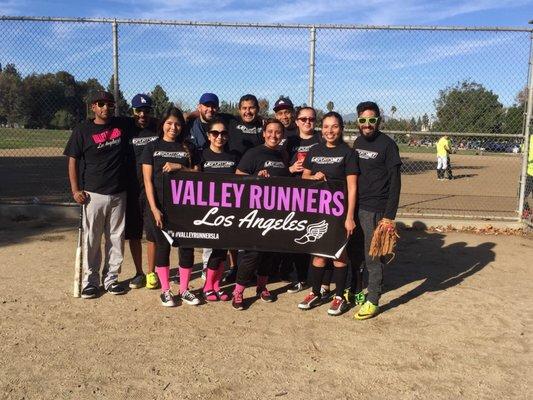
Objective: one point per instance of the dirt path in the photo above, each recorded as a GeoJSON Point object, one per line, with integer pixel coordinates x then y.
{"type": "Point", "coordinates": [457, 323]}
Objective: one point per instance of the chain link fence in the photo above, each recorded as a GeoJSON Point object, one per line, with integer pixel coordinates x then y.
{"type": "Point", "coordinates": [467, 83]}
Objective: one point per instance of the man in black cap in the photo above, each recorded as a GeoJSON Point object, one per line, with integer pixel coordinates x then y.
{"type": "Point", "coordinates": [207, 108]}
{"type": "Point", "coordinates": [284, 111]}
{"type": "Point", "coordinates": [143, 133]}
{"type": "Point", "coordinates": [100, 187]}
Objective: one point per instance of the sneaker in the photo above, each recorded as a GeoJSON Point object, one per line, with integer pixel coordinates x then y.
{"type": "Point", "coordinates": [223, 296]}
{"type": "Point", "coordinates": [190, 298]}
{"type": "Point", "coordinates": [325, 293]}
{"type": "Point", "coordinates": [367, 310]}
{"type": "Point", "coordinates": [296, 287]}
{"type": "Point", "coordinates": [360, 298]}
{"type": "Point", "coordinates": [230, 277]}
{"type": "Point", "coordinates": [265, 295]}
{"type": "Point", "coordinates": [167, 299]}
{"type": "Point", "coordinates": [89, 292]}
{"type": "Point", "coordinates": [115, 288]}
{"type": "Point", "coordinates": [349, 296]}
{"type": "Point", "coordinates": [310, 301]}
{"type": "Point", "coordinates": [138, 281]}
{"type": "Point", "coordinates": [210, 295]}
{"type": "Point", "coordinates": [338, 306]}
{"type": "Point", "coordinates": [237, 303]}
{"type": "Point", "coordinates": [151, 281]}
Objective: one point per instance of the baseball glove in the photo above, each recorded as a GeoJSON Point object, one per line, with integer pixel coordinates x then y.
{"type": "Point", "coordinates": [384, 239]}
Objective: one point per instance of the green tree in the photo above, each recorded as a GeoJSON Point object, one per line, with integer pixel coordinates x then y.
{"type": "Point", "coordinates": [468, 107]}
{"type": "Point", "coordinates": [330, 106]}
{"type": "Point", "coordinates": [63, 119]}
{"type": "Point", "coordinates": [11, 93]}
{"type": "Point", "coordinates": [160, 100]}
{"type": "Point", "coordinates": [263, 107]}
{"type": "Point", "coordinates": [393, 110]}
{"type": "Point", "coordinates": [120, 102]}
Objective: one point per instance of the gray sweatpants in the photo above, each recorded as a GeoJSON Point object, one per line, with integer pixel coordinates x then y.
{"type": "Point", "coordinates": [359, 247]}
{"type": "Point", "coordinates": [103, 215]}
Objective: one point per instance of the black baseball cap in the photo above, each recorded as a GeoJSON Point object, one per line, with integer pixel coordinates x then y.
{"type": "Point", "coordinates": [101, 95]}
{"type": "Point", "coordinates": [283, 103]}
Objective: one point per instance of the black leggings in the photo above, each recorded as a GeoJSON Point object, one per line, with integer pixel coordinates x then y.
{"type": "Point", "coordinates": [256, 261]}
{"type": "Point", "coordinates": [162, 246]}
{"type": "Point", "coordinates": [301, 263]}
{"type": "Point", "coordinates": [217, 256]}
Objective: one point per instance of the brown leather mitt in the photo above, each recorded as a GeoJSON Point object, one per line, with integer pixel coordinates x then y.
{"type": "Point", "coordinates": [384, 239]}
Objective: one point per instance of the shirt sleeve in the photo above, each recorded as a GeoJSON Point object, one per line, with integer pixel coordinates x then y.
{"type": "Point", "coordinates": [196, 158]}
{"type": "Point", "coordinates": [307, 161]}
{"type": "Point", "coordinates": [74, 147]}
{"type": "Point", "coordinates": [147, 156]}
{"type": "Point", "coordinates": [351, 166]}
{"type": "Point", "coordinates": [392, 156]}
{"type": "Point", "coordinates": [246, 164]}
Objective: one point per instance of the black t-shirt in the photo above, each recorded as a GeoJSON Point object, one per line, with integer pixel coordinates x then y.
{"type": "Point", "coordinates": [159, 152]}
{"type": "Point", "coordinates": [244, 136]}
{"type": "Point", "coordinates": [288, 133]}
{"type": "Point", "coordinates": [262, 157]}
{"type": "Point", "coordinates": [334, 162]}
{"type": "Point", "coordinates": [295, 145]}
{"type": "Point", "coordinates": [102, 152]}
{"type": "Point", "coordinates": [376, 158]}
{"type": "Point", "coordinates": [223, 163]}
{"type": "Point", "coordinates": [141, 137]}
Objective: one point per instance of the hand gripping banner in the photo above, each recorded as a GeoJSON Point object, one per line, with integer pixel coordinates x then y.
{"type": "Point", "coordinates": [225, 211]}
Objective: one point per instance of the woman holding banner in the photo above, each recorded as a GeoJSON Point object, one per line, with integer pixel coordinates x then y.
{"type": "Point", "coordinates": [168, 153]}
{"type": "Point", "coordinates": [332, 159]}
{"type": "Point", "coordinates": [265, 160]}
{"type": "Point", "coordinates": [216, 159]}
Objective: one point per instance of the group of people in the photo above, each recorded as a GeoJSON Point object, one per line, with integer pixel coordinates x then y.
{"type": "Point", "coordinates": [116, 165]}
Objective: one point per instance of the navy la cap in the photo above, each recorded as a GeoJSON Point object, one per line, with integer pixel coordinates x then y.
{"type": "Point", "coordinates": [207, 98]}
{"type": "Point", "coordinates": [283, 103]}
{"type": "Point", "coordinates": [141, 100]}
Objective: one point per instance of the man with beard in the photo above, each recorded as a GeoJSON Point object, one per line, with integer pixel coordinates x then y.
{"type": "Point", "coordinates": [246, 131]}
{"type": "Point", "coordinates": [207, 109]}
{"type": "Point", "coordinates": [144, 133]}
{"type": "Point", "coordinates": [284, 111]}
{"type": "Point", "coordinates": [378, 193]}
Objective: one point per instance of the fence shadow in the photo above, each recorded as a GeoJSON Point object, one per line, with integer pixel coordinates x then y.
{"type": "Point", "coordinates": [423, 256]}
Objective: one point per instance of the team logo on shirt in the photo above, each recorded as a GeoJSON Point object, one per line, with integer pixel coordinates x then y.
{"type": "Point", "coordinates": [304, 149]}
{"type": "Point", "coordinates": [326, 160]}
{"type": "Point", "coordinates": [367, 154]}
{"type": "Point", "coordinates": [251, 131]}
{"type": "Point", "coordinates": [274, 164]}
{"type": "Point", "coordinates": [219, 164]}
{"type": "Point", "coordinates": [143, 141]}
{"type": "Point", "coordinates": [109, 137]}
{"type": "Point", "coordinates": [171, 154]}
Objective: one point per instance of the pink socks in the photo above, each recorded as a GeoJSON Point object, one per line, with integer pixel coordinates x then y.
{"type": "Point", "coordinates": [185, 277]}
{"type": "Point", "coordinates": [261, 282]}
{"type": "Point", "coordinates": [163, 274]}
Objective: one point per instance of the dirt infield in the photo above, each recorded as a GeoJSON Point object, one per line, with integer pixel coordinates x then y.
{"type": "Point", "coordinates": [485, 186]}
{"type": "Point", "coordinates": [456, 323]}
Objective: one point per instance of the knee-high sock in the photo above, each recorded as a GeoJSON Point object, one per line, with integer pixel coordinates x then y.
{"type": "Point", "coordinates": [339, 277]}
{"type": "Point", "coordinates": [239, 289]}
{"type": "Point", "coordinates": [316, 275]}
{"type": "Point", "coordinates": [185, 277]}
{"type": "Point", "coordinates": [218, 276]}
{"type": "Point", "coordinates": [163, 274]}
{"type": "Point", "coordinates": [210, 279]}
{"type": "Point", "coordinates": [262, 281]}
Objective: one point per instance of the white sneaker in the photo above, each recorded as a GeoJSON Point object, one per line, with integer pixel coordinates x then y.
{"type": "Point", "coordinates": [167, 299]}
{"type": "Point", "coordinates": [190, 298]}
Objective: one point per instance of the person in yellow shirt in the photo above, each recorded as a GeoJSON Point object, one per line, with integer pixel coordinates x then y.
{"type": "Point", "coordinates": [444, 148]}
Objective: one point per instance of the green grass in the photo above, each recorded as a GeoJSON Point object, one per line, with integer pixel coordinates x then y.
{"type": "Point", "coordinates": [11, 138]}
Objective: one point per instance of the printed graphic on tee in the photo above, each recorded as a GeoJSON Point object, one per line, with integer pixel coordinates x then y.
{"type": "Point", "coordinates": [367, 154]}
{"type": "Point", "coordinates": [253, 130]}
{"type": "Point", "coordinates": [304, 149]}
{"type": "Point", "coordinates": [170, 154]}
{"type": "Point", "coordinates": [326, 160]}
{"type": "Point", "coordinates": [109, 137]}
{"type": "Point", "coordinates": [143, 141]}
{"type": "Point", "coordinates": [274, 164]}
{"type": "Point", "coordinates": [219, 164]}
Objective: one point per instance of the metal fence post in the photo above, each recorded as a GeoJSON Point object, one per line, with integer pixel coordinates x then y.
{"type": "Point", "coordinates": [312, 45]}
{"type": "Point", "coordinates": [527, 132]}
{"type": "Point", "coordinates": [115, 65]}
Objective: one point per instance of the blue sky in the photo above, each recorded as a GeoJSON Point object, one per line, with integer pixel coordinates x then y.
{"type": "Point", "coordinates": [401, 68]}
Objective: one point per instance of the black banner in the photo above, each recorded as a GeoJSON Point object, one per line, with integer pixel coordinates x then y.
{"type": "Point", "coordinates": [227, 211]}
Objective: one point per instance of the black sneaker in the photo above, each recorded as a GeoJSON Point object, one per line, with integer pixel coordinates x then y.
{"type": "Point", "coordinates": [89, 292]}
{"type": "Point", "coordinates": [116, 288]}
{"type": "Point", "coordinates": [230, 277]}
{"type": "Point", "coordinates": [138, 281]}
{"type": "Point", "coordinates": [296, 287]}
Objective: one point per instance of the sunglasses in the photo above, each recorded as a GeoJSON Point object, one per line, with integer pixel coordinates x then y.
{"type": "Point", "coordinates": [217, 133]}
{"type": "Point", "coordinates": [109, 105]}
{"type": "Point", "coordinates": [145, 110]}
{"type": "Point", "coordinates": [306, 119]}
{"type": "Point", "coordinates": [369, 120]}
